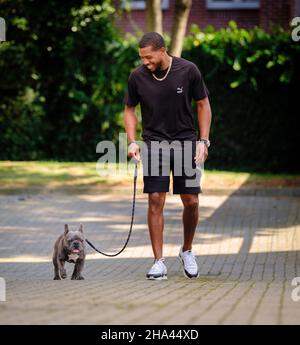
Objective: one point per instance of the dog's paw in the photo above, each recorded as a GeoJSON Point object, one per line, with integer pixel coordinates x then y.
{"type": "Point", "coordinates": [56, 278]}
{"type": "Point", "coordinates": [77, 278]}
{"type": "Point", "coordinates": [63, 274]}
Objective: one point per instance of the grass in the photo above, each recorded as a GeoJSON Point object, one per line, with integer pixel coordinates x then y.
{"type": "Point", "coordinates": [51, 174]}
{"type": "Point", "coordinates": [56, 175]}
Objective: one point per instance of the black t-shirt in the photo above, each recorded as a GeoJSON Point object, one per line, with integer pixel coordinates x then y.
{"type": "Point", "coordinates": [166, 105]}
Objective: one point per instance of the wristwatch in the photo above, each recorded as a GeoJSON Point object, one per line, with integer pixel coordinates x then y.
{"type": "Point", "coordinates": [206, 142]}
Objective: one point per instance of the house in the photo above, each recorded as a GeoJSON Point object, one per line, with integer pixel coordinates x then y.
{"type": "Point", "coordinates": [246, 13]}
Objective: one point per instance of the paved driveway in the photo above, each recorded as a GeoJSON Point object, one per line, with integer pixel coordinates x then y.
{"type": "Point", "coordinates": [247, 248]}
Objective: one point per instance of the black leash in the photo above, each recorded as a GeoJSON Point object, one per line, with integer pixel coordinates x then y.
{"type": "Point", "coordinates": [131, 224]}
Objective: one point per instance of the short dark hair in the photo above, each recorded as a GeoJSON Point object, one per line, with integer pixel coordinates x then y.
{"type": "Point", "coordinates": [153, 39]}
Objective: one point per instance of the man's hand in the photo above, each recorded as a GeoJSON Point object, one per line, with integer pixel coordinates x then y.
{"type": "Point", "coordinates": [134, 151]}
{"type": "Point", "coordinates": [201, 153]}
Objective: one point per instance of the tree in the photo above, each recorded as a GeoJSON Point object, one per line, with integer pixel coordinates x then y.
{"type": "Point", "coordinates": [62, 79]}
{"type": "Point", "coordinates": [181, 15]}
{"type": "Point", "coordinates": [154, 16]}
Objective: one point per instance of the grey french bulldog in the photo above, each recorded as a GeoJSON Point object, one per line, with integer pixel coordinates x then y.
{"type": "Point", "coordinates": [69, 247]}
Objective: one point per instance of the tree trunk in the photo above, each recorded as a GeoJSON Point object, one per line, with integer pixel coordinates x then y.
{"type": "Point", "coordinates": [154, 16]}
{"type": "Point", "coordinates": [181, 15]}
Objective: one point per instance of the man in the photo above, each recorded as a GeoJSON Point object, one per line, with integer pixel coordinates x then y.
{"type": "Point", "coordinates": [165, 85]}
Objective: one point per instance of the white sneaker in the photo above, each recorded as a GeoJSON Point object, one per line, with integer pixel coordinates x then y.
{"type": "Point", "coordinates": [158, 271]}
{"type": "Point", "coordinates": [190, 267]}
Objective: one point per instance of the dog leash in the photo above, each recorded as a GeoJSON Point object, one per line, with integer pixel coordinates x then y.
{"type": "Point", "coordinates": [132, 217]}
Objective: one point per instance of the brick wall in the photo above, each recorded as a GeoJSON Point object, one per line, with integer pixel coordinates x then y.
{"type": "Point", "coordinates": [278, 12]}
{"type": "Point", "coordinates": [219, 18]}
{"type": "Point", "coordinates": [136, 20]}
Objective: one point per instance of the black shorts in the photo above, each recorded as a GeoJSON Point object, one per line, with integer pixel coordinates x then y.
{"type": "Point", "coordinates": [160, 158]}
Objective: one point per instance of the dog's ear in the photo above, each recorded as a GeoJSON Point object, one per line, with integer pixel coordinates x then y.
{"type": "Point", "coordinates": [66, 229]}
{"type": "Point", "coordinates": [81, 228]}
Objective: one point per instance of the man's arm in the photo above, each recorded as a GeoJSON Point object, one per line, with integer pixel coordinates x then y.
{"type": "Point", "coordinates": [130, 123]}
{"type": "Point", "coordinates": [204, 117]}
{"type": "Point", "coordinates": [204, 121]}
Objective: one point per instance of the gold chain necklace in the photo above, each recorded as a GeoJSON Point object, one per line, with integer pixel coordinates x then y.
{"type": "Point", "coordinates": [163, 78]}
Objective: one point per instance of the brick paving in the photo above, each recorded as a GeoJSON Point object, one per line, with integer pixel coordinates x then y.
{"type": "Point", "coordinates": [247, 248]}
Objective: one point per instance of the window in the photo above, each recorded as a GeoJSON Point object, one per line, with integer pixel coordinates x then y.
{"type": "Point", "coordinates": [231, 4]}
{"type": "Point", "coordinates": [141, 4]}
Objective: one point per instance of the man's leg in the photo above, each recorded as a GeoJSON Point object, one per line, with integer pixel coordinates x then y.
{"type": "Point", "coordinates": [156, 202]}
{"type": "Point", "coordinates": [190, 218]}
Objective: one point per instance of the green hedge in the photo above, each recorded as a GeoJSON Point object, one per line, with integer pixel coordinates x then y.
{"type": "Point", "coordinates": [64, 72]}
{"type": "Point", "coordinates": [63, 76]}
{"type": "Point", "coordinates": [253, 78]}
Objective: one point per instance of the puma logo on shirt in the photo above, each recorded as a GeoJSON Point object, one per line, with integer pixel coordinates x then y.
{"type": "Point", "coordinates": [180, 89]}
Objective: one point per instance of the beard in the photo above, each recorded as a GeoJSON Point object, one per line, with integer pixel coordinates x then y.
{"type": "Point", "coordinates": [158, 67]}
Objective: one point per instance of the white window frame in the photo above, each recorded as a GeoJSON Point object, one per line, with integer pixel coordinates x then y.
{"type": "Point", "coordinates": [231, 5]}
{"type": "Point", "coordinates": [141, 4]}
